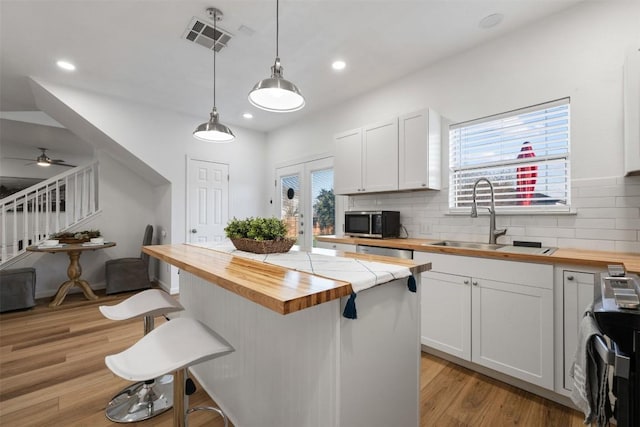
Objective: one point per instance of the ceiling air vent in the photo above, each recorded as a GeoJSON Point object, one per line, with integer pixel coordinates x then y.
{"type": "Point", "coordinates": [202, 33]}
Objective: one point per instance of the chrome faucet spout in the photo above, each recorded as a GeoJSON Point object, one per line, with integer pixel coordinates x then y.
{"type": "Point", "coordinates": [493, 233]}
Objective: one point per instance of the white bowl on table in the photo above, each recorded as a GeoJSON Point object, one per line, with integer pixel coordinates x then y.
{"type": "Point", "coordinates": [97, 240]}
{"type": "Point", "coordinates": [51, 242]}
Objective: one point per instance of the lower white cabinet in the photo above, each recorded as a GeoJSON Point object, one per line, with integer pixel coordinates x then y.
{"type": "Point", "coordinates": [446, 313]}
{"type": "Point", "coordinates": [498, 314]}
{"type": "Point", "coordinates": [573, 294]}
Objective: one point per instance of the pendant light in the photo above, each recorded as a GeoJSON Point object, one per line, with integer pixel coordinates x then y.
{"type": "Point", "coordinates": [275, 93]}
{"type": "Point", "coordinates": [213, 130]}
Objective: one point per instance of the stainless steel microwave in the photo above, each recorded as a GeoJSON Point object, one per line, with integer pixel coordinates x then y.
{"type": "Point", "coordinates": [374, 224]}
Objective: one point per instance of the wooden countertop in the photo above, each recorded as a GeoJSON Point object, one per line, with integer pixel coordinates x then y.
{"type": "Point", "coordinates": [590, 258]}
{"type": "Point", "coordinates": [279, 289]}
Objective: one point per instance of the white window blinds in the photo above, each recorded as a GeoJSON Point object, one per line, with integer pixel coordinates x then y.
{"type": "Point", "coordinates": [524, 153]}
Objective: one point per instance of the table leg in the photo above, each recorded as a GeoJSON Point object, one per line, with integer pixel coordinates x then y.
{"type": "Point", "coordinates": [73, 271]}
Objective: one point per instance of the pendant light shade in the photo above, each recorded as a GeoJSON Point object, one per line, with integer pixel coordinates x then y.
{"type": "Point", "coordinates": [213, 130]}
{"type": "Point", "coordinates": [275, 93]}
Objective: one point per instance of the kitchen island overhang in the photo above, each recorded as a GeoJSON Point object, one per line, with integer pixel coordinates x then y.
{"type": "Point", "coordinates": [298, 361]}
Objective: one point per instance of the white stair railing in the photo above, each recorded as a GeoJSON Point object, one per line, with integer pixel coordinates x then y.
{"type": "Point", "coordinates": [31, 215]}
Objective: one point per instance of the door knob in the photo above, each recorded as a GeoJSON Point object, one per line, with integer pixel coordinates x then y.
{"type": "Point", "coordinates": [193, 230]}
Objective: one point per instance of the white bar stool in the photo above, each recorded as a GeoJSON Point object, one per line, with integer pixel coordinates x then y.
{"type": "Point", "coordinates": [175, 346]}
{"type": "Point", "coordinates": [152, 396]}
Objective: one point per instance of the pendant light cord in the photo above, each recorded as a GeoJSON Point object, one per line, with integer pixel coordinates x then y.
{"type": "Point", "coordinates": [215, 31]}
{"type": "Point", "coordinates": [277, 24]}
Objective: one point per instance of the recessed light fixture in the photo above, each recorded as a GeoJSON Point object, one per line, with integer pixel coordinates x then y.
{"type": "Point", "coordinates": [491, 21]}
{"type": "Point", "coordinates": [247, 116]}
{"type": "Point", "coordinates": [66, 65]}
{"type": "Point", "coordinates": [338, 65]}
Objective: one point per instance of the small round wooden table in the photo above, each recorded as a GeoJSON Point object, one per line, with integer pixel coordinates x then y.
{"type": "Point", "coordinates": [74, 271]}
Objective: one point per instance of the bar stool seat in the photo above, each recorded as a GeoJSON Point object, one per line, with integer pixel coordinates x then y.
{"type": "Point", "coordinates": [153, 395]}
{"type": "Point", "coordinates": [175, 346]}
{"type": "Point", "coordinates": [152, 302]}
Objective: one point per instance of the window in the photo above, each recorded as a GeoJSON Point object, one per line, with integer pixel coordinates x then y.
{"type": "Point", "coordinates": [524, 153]}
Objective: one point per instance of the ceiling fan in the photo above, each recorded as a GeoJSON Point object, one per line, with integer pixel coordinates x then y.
{"type": "Point", "coordinates": [44, 160]}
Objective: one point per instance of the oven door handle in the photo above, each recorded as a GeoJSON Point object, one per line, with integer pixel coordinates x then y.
{"type": "Point", "coordinates": [614, 357]}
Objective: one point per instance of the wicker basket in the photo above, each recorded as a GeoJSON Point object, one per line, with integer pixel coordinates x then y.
{"type": "Point", "coordinates": [70, 240]}
{"type": "Point", "coordinates": [263, 246]}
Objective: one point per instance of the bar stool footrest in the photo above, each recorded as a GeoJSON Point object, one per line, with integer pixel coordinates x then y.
{"type": "Point", "coordinates": [141, 401]}
{"type": "Point", "coordinates": [209, 408]}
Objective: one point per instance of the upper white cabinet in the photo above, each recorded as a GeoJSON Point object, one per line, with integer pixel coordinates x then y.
{"type": "Point", "coordinates": [398, 154]}
{"type": "Point", "coordinates": [366, 159]}
{"type": "Point", "coordinates": [347, 164]}
{"type": "Point", "coordinates": [419, 151]}
{"type": "Point", "coordinates": [632, 112]}
{"type": "Point", "coordinates": [498, 314]}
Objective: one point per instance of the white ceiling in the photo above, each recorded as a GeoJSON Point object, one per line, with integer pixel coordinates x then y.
{"type": "Point", "coordinates": [134, 49]}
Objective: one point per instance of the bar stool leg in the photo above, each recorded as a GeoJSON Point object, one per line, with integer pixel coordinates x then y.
{"type": "Point", "coordinates": [180, 398]}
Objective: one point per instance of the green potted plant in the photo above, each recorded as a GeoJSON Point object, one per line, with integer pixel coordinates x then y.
{"type": "Point", "coordinates": [259, 235]}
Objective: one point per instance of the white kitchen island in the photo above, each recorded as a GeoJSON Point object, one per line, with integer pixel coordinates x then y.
{"type": "Point", "coordinates": [309, 366]}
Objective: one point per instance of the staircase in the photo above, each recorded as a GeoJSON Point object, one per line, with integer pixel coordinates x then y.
{"type": "Point", "coordinates": [57, 204]}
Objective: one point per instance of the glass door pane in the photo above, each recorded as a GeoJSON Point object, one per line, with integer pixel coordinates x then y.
{"type": "Point", "coordinates": [324, 203]}
{"type": "Point", "coordinates": [290, 204]}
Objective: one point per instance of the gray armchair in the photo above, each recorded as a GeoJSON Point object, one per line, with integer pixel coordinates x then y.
{"type": "Point", "coordinates": [129, 274]}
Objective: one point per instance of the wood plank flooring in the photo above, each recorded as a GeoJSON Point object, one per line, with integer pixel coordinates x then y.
{"type": "Point", "coordinates": [52, 373]}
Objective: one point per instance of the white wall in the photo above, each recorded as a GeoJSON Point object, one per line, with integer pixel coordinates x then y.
{"type": "Point", "coordinates": [156, 143]}
{"type": "Point", "coordinates": [578, 53]}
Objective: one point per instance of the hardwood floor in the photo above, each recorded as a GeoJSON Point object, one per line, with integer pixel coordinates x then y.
{"type": "Point", "coordinates": [52, 373]}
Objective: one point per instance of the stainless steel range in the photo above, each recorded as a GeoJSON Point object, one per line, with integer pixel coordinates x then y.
{"type": "Point", "coordinates": [616, 310]}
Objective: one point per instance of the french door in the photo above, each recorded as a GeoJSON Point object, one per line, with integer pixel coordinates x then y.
{"type": "Point", "coordinates": [305, 200]}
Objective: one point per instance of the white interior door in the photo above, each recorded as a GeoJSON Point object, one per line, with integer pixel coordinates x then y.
{"type": "Point", "coordinates": [305, 200]}
{"type": "Point", "coordinates": [207, 201]}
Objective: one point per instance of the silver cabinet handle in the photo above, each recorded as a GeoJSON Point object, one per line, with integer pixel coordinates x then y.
{"type": "Point", "coordinates": [569, 277]}
{"type": "Point", "coordinates": [474, 283]}
{"type": "Point", "coordinates": [193, 230]}
{"type": "Point", "coordinates": [466, 282]}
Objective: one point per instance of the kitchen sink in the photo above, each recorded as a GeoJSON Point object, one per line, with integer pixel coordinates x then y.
{"type": "Point", "coordinates": [494, 247]}
{"type": "Point", "coordinates": [467, 245]}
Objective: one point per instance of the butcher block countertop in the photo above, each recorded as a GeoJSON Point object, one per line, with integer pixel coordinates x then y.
{"type": "Point", "coordinates": [598, 259]}
{"type": "Point", "coordinates": [277, 288]}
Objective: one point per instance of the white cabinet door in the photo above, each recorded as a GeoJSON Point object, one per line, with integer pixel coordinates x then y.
{"type": "Point", "coordinates": [380, 157]}
{"type": "Point", "coordinates": [512, 330]}
{"type": "Point", "coordinates": [446, 313]}
{"type": "Point", "coordinates": [632, 112]}
{"type": "Point", "coordinates": [419, 151]}
{"type": "Point", "coordinates": [577, 290]}
{"type": "Point", "coordinates": [347, 166]}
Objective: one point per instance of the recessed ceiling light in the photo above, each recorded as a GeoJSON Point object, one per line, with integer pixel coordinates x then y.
{"type": "Point", "coordinates": [66, 65]}
{"type": "Point", "coordinates": [338, 65]}
{"type": "Point", "coordinates": [490, 21]}
{"type": "Point", "coordinates": [247, 116]}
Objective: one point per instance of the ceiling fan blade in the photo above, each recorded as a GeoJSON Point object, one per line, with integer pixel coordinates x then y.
{"type": "Point", "coordinates": [17, 158]}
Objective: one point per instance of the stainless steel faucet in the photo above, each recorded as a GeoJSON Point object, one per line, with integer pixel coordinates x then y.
{"type": "Point", "coordinates": [493, 233]}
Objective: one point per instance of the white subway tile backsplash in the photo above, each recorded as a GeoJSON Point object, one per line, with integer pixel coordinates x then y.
{"type": "Point", "coordinates": [609, 213]}
{"type": "Point", "coordinates": [573, 222]}
{"type": "Point", "coordinates": [550, 231]}
{"type": "Point", "coordinates": [584, 233]}
{"type": "Point", "coordinates": [628, 224]}
{"type": "Point", "coordinates": [607, 217]}
{"type": "Point", "coordinates": [594, 202]}
{"type": "Point", "coordinates": [632, 247]}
